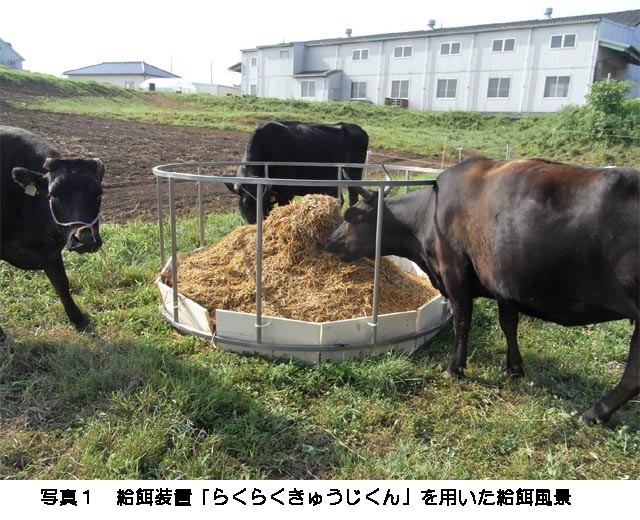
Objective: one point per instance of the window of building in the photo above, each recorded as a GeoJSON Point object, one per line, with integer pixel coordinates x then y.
{"type": "Point", "coordinates": [403, 52]}
{"type": "Point", "coordinates": [360, 54]}
{"type": "Point", "coordinates": [284, 55]}
{"type": "Point", "coordinates": [557, 86]}
{"type": "Point", "coordinates": [308, 89]}
{"type": "Point", "coordinates": [400, 89]}
{"type": "Point", "coordinates": [499, 87]}
{"type": "Point", "coordinates": [449, 48]}
{"type": "Point", "coordinates": [504, 45]}
{"type": "Point", "coordinates": [563, 41]}
{"type": "Point", "coordinates": [358, 90]}
{"type": "Point", "coordinates": [254, 62]}
{"type": "Point", "coordinates": [447, 88]}
{"type": "Point", "coordinates": [253, 89]}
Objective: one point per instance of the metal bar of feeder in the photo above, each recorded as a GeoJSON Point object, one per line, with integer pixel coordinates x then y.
{"type": "Point", "coordinates": [163, 260]}
{"type": "Point", "coordinates": [200, 211]}
{"type": "Point", "coordinates": [376, 272]}
{"type": "Point", "coordinates": [340, 172]}
{"type": "Point", "coordinates": [259, 199]}
{"type": "Point", "coordinates": [174, 249]}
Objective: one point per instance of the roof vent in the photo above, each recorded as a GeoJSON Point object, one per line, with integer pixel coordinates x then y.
{"type": "Point", "coordinates": [548, 12]}
{"type": "Point", "coordinates": [348, 32]}
{"type": "Point", "coordinates": [431, 24]}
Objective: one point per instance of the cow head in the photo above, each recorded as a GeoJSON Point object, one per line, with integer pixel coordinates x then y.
{"type": "Point", "coordinates": [248, 200]}
{"type": "Point", "coordinates": [356, 236]}
{"type": "Point", "coordinates": [74, 191]}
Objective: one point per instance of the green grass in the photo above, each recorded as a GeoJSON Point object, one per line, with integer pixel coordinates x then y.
{"type": "Point", "coordinates": [136, 400]}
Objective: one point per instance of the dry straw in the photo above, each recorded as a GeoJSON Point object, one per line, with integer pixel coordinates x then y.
{"type": "Point", "coordinates": [301, 280]}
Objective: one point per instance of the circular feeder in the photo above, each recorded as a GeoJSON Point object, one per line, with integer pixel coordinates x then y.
{"type": "Point", "coordinates": [306, 341]}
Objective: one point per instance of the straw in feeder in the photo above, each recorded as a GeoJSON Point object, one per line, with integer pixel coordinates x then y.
{"type": "Point", "coordinates": [300, 280]}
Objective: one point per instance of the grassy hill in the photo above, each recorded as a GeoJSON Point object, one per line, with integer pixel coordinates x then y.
{"type": "Point", "coordinates": [551, 136]}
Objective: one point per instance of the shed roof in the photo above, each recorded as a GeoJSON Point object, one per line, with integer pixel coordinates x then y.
{"type": "Point", "coordinates": [8, 46]}
{"type": "Point", "coordinates": [122, 67]}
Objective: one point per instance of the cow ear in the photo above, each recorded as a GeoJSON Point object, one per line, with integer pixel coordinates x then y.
{"type": "Point", "coordinates": [99, 169]}
{"type": "Point", "coordinates": [356, 216]}
{"type": "Point", "coordinates": [32, 182]}
{"type": "Point", "coordinates": [50, 163]}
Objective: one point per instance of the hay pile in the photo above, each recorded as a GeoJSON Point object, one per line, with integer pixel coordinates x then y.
{"type": "Point", "coordinates": [301, 281]}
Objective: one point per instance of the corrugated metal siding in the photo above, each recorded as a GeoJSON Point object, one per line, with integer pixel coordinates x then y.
{"type": "Point", "coordinates": [527, 66]}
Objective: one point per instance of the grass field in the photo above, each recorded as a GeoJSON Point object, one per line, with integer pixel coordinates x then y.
{"type": "Point", "coordinates": [134, 399]}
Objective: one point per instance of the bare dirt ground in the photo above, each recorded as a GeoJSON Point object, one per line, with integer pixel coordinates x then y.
{"type": "Point", "coordinates": [130, 150]}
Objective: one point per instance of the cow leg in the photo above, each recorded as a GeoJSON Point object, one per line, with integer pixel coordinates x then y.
{"type": "Point", "coordinates": [508, 318]}
{"type": "Point", "coordinates": [627, 388]}
{"type": "Point", "coordinates": [462, 311]}
{"type": "Point", "coordinates": [58, 278]}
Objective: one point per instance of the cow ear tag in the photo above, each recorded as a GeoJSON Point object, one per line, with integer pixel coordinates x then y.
{"type": "Point", "coordinates": [31, 190]}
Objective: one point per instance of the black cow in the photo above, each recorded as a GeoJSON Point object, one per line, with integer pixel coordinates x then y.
{"type": "Point", "coordinates": [292, 141]}
{"type": "Point", "coordinates": [557, 242]}
{"type": "Point", "coordinates": [47, 202]}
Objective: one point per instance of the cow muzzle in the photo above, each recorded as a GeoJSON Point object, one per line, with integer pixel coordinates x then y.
{"type": "Point", "coordinates": [84, 239]}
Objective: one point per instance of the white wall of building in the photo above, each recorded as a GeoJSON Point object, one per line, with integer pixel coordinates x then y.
{"type": "Point", "coordinates": [509, 68]}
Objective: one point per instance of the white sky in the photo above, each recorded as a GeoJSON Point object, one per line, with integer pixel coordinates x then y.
{"type": "Point", "coordinates": [199, 40]}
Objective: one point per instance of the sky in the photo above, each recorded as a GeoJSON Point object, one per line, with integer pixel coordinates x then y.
{"type": "Point", "coordinates": [200, 40]}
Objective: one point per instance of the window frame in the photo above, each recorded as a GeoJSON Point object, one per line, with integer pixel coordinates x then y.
{"type": "Point", "coordinates": [499, 88]}
{"type": "Point", "coordinates": [450, 48]}
{"type": "Point", "coordinates": [503, 45]}
{"type": "Point", "coordinates": [555, 87]}
{"type": "Point", "coordinates": [563, 38]}
{"type": "Point", "coordinates": [358, 85]}
{"type": "Point", "coordinates": [401, 84]}
{"type": "Point", "coordinates": [403, 52]}
{"type": "Point", "coordinates": [308, 83]}
{"type": "Point", "coordinates": [447, 88]}
{"type": "Point", "coordinates": [360, 52]}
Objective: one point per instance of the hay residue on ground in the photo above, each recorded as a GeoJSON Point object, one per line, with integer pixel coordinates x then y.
{"type": "Point", "coordinates": [301, 280]}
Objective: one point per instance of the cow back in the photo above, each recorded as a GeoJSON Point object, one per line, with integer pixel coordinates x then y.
{"type": "Point", "coordinates": [556, 241]}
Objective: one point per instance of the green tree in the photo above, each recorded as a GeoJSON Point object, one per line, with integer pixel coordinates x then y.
{"type": "Point", "coordinates": [605, 108]}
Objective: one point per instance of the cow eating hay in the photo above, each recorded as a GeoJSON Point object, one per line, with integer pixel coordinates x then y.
{"type": "Point", "coordinates": [300, 280]}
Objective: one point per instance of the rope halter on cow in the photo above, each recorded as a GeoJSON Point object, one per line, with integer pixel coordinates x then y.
{"type": "Point", "coordinates": [83, 225]}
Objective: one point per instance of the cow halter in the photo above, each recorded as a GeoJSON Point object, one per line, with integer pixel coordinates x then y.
{"type": "Point", "coordinates": [83, 225]}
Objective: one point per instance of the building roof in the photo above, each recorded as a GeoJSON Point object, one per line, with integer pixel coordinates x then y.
{"type": "Point", "coordinates": [628, 18]}
{"type": "Point", "coordinates": [10, 47]}
{"type": "Point", "coordinates": [121, 68]}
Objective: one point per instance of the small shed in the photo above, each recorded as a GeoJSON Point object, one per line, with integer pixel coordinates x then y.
{"type": "Point", "coordinates": [9, 56]}
{"type": "Point", "coordinates": [187, 87]}
{"type": "Point", "coordinates": [127, 74]}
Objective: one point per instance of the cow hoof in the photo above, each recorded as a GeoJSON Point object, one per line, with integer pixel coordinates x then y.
{"type": "Point", "coordinates": [84, 325]}
{"type": "Point", "coordinates": [456, 373]}
{"type": "Point", "coordinates": [515, 372]}
{"type": "Point", "coordinates": [592, 418]}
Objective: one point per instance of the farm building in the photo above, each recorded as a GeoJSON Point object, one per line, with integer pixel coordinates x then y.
{"type": "Point", "coordinates": [187, 87]}
{"type": "Point", "coordinates": [127, 74]}
{"type": "Point", "coordinates": [9, 57]}
{"type": "Point", "coordinates": [529, 66]}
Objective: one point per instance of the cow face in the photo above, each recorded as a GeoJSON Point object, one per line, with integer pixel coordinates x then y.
{"type": "Point", "coordinates": [247, 203]}
{"type": "Point", "coordinates": [356, 236]}
{"type": "Point", "coordinates": [74, 192]}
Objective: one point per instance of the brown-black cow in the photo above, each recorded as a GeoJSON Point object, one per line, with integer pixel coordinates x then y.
{"type": "Point", "coordinates": [554, 241]}
{"type": "Point", "coordinates": [47, 202]}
